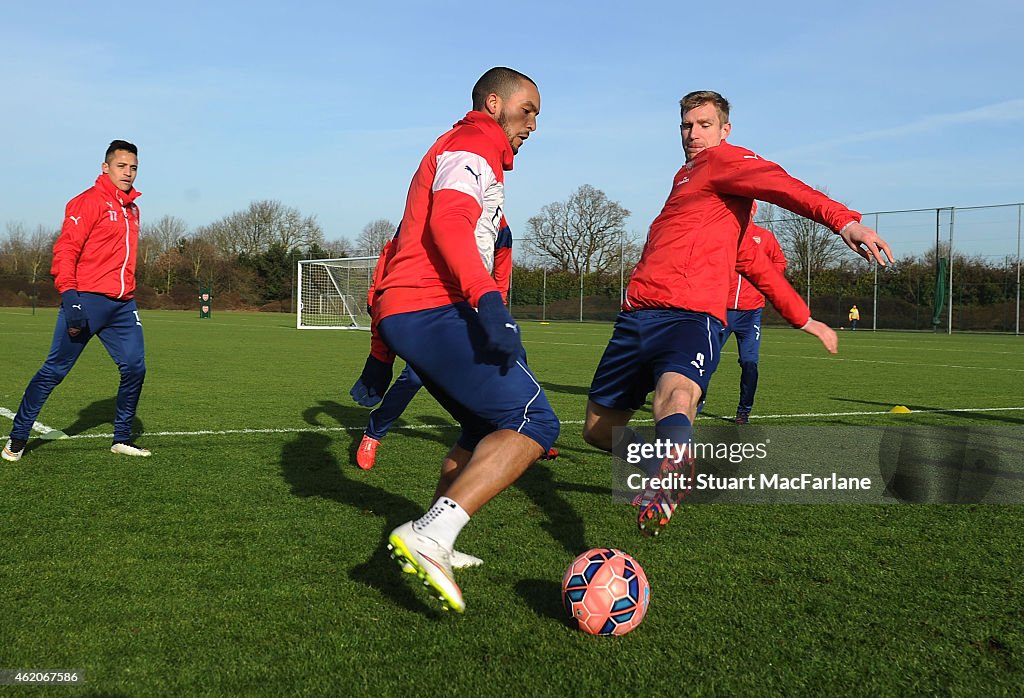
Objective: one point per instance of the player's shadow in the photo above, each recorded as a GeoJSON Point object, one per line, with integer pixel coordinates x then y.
{"type": "Point", "coordinates": [96, 414]}
{"type": "Point", "coordinates": [311, 469]}
{"type": "Point", "coordinates": [984, 416]}
{"type": "Point", "coordinates": [565, 389]}
{"type": "Point", "coordinates": [345, 415]}
{"type": "Point", "coordinates": [99, 413]}
{"type": "Point", "coordinates": [561, 522]}
{"type": "Point", "coordinates": [440, 430]}
{"type": "Point", "coordinates": [342, 415]}
{"type": "Point", "coordinates": [543, 596]}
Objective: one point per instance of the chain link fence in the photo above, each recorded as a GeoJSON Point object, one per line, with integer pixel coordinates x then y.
{"type": "Point", "coordinates": [957, 269]}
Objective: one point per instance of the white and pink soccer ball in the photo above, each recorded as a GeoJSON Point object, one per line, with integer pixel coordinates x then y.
{"type": "Point", "coordinates": [605, 592]}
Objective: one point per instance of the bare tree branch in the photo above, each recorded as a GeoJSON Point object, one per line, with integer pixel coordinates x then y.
{"type": "Point", "coordinates": [582, 235]}
{"type": "Point", "coordinates": [374, 236]}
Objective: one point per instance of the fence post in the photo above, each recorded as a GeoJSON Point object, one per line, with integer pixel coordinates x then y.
{"type": "Point", "coordinates": [808, 259]}
{"type": "Point", "coordinates": [544, 298]}
{"type": "Point", "coordinates": [622, 263]}
{"type": "Point", "coordinates": [1017, 323]}
{"type": "Point", "coordinates": [952, 220]}
{"type": "Point", "coordinates": [938, 270]}
{"type": "Point", "coordinates": [874, 311]}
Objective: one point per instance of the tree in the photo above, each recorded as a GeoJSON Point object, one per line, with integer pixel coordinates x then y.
{"type": "Point", "coordinates": [27, 254]}
{"type": "Point", "coordinates": [264, 223]}
{"type": "Point", "coordinates": [13, 248]}
{"type": "Point", "coordinates": [810, 247]}
{"type": "Point", "coordinates": [166, 265]}
{"type": "Point", "coordinates": [274, 269]}
{"type": "Point", "coordinates": [375, 235]}
{"type": "Point", "coordinates": [584, 234]}
{"type": "Point", "coordinates": [155, 239]}
{"type": "Point", "coordinates": [39, 252]}
{"type": "Point", "coordinates": [199, 254]}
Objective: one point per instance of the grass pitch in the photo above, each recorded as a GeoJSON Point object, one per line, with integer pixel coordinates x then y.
{"type": "Point", "coordinates": [247, 555]}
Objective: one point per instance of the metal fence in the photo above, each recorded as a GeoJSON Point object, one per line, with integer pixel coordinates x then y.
{"type": "Point", "coordinates": [957, 269]}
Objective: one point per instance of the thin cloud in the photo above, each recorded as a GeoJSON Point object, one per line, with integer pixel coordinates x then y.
{"type": "Point", "coordinates": [1009, 111]}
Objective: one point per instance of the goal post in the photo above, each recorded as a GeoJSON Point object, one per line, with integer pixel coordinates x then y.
{"type": "Point", "coordinates": [332, 293]}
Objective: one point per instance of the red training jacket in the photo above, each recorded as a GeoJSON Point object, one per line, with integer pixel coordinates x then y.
{"type": "Point", "coordinates": [694, 244]}
{"type": "Point", "coordinates": [95, 251]}
{"type": "Point", "coordinates": [502, 277]}
{"type": "Point", "coordinates": [743, 295]}
{"type": "Point", "coordinates": [446, 249]}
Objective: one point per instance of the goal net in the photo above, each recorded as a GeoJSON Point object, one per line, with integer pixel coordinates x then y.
{"type": "Point", "coordinates": [332, 293]}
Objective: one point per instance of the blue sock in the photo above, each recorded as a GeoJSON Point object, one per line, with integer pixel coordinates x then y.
{"type": "Point", "coordinates": [675, 428]}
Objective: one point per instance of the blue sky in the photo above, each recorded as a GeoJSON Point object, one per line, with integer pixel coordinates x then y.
{"type": "Point", "coordinates": [888, 105]}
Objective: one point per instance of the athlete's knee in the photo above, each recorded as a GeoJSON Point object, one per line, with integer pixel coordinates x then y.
{"type": "Point", "coordinates": [676, 397]}
{"type": "Point", "coordinates": [134, 369]}
{"type": "Point", "coordinates": [52, 373]}
{"type": "Point", "coordinates": [748, 365]}
{"type": "Point", "coordinates": [597, 435]}
{"type": "Point", "coordinates": [599, 425]}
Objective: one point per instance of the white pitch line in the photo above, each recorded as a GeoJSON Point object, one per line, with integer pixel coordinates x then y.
{"type": "Point", "coordinates": [427, 427]}
{"type": "Point", "coordinates": [41, 428]}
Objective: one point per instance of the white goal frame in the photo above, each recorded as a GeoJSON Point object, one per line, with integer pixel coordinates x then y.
{"type": "Point", "coordinates": [332, 293]}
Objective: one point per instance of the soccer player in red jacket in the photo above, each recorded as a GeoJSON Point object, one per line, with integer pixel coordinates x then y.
{"type": "Point", "coordinates": [743, 319]}
{"type": "Point", "coordinates": [668, 336]}
{"type": "Point", "coordinates": [438, 306]}
{"type": "Point", "coordinates": [94, 271]}
{"type": "Point", "coordinates": [405, 387]}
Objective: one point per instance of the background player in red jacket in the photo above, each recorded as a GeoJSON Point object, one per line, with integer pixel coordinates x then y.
{"type": "Point", "coordinates": [668, 336]}
{"type": "Point", "coordinates": [438, 306]}
{"type": "Point", "coordinates": [743, 319]}
{"type": "Point", "coordinates": [94, 271]}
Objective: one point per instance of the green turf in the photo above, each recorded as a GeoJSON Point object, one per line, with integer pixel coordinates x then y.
{"type": "Point", "coordinates": [252, 563]}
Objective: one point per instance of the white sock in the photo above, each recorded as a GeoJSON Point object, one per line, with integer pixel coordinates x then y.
{"type": "Point", "coordinates": [443, 522]}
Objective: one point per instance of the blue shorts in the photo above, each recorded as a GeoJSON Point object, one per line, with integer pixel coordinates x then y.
{"type": "Point", "coordinates": [746, 325]}
{"type": "Point", "coordinates": [647, 343]}
{"type": "Point", "coordinates": [445, 346]}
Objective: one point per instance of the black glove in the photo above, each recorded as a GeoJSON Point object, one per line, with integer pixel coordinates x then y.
{"type": "Point", "coordinates": [501, 330]}
{"type": "Point", "coordinates": [370, 387]}
{"type": "Point", "coordinates": [74, 312]}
